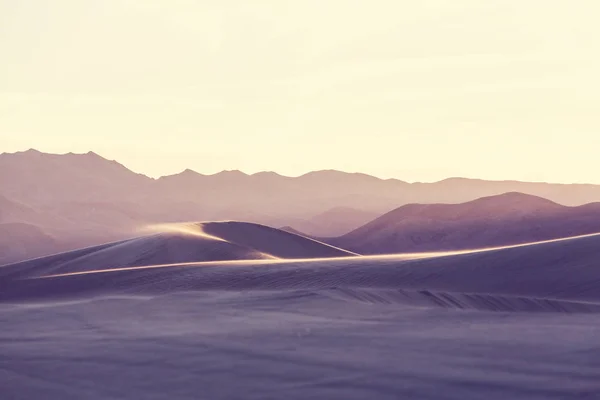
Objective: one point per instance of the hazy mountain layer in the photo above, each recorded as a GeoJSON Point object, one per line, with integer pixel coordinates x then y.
{"type": "Point", "coordinates": [83, 199]}
{"type": "Point", "coordinates": [511, 218]}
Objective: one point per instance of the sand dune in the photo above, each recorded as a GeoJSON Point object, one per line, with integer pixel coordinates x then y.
{"type": "Point", "coordinates": [544, 276]}
{"type": "Point", "coordinates": [273, 241]}
{"type": "Point", "coordinates": [180, 243]}
{"type": "Point", "coordinates": [462, 301]}
{"type": "Point", "coordinates": [511, 323]}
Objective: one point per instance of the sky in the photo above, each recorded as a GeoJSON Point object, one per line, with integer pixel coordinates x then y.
{"type": "Point", "coordinates": [416, 90]}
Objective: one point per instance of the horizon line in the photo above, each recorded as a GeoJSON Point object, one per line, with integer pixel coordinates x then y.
{"type": "Point", "coordinates": [91, 152]}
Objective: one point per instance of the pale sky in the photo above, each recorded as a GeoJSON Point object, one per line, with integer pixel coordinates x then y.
{"type": "Point", "coordinates": [416, 90]}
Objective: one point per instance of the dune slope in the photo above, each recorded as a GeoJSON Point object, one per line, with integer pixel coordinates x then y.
{"type": "Point", "coordinates": [523, 278]}
{"type": "Point", "coordinates": [273, 241]}
{"type": "Point", "coordinates": [513, 323]}
{"type": "Point", "coordinates": [181, 243]}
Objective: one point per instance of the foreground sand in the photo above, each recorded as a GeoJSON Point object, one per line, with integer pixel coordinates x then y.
{"type": "Point", "coordinates": [274, 345]}
{"type": "Point", "coordinates": [513, 323]}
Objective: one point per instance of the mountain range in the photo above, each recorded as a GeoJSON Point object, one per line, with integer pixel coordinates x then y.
{"type": "Point", "coordinates": [506, 219]}
{"type": "Point", "coordinates": [51, 203]}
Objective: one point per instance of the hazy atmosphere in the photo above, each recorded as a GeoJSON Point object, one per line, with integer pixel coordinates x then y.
{"type": "Point", "coordinates": [500, 89]}
{"type": "Point", "coordinates": [308, 199]}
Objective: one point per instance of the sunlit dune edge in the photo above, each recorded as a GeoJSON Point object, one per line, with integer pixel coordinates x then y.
{"type": "Point", "coordinates": [559, 275]}
{"type": "Point", "coordinates": [275, 261]}
{"type": "Point", "coordinates": [186, 228]}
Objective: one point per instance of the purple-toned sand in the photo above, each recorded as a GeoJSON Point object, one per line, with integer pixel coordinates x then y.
{"type": "Point", "coordinates": [513, 323]}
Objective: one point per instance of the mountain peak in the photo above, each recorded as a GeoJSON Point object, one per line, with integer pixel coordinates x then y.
{"type": "Point", "coordinates": [457, 179]}
{"type": "Point", "coordinates": [90, 155]}
{"type": "Point", "coordinates": [231, 172]}
{"type": "Point", "coordinates": [524, 200]}
{"type": "Point", "coordinates": [336, 174]}
{"type": "Point", "coordinates": [326, 172]}
{"type": "Point", "coordinates": [32, 151]}
{"type": "Point", "coordinates": [508, 204]}
{"type": "Point", "coordinates": [267, 174]}
{"type": "Point", "coordinates": [189, 172]}
{"type": "Point", "coordinates": [185, 174]}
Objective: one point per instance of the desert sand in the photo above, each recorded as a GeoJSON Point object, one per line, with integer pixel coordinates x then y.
{"type": "Point", "coordinates": [181, 243]}
{"type": "Point", "coordinates": [298, 200]}
{"type": "Point", "coordinates": [517, 322]}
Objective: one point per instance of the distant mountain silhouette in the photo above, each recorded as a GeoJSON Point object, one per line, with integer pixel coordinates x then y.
{"type": "Point", "coordinates": [510, 218]}
{"type": "Point", "coordinates": [334, 222]}
{"type": "Point", "coordinates": [12, 211]}
{"type": "Point", "coordinates": [85, 199]}
{"type": "Point", "coordinates": [19, 241]}
{"type": "Point", "coordinates": [36, 178]}
{"type": "Point", "coordinates": [33, 178]}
